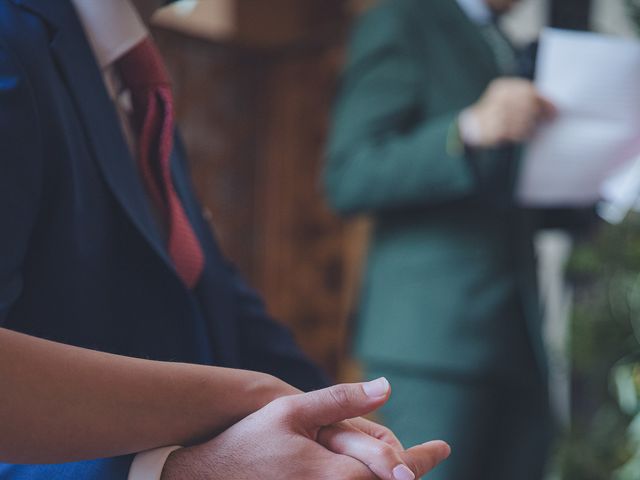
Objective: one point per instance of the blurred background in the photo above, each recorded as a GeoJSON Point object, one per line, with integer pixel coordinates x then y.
{"type": "Point", "coordinates": [255, 82]}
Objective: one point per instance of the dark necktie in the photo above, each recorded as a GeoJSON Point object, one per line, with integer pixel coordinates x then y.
{"type": "Point", "coordinates": [502, 50]}
{"type": "Point", "coordinates": [144, 75]}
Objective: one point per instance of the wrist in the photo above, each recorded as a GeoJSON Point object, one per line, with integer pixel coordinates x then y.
{"type": "Point", "coordinates": [182, 463]}
{"type": "Point", "coordinates": [150, 464]}
{"type": "Point", "coordinates": [267, 388]}
{"type": "Point", "coordinates": [244, 393]}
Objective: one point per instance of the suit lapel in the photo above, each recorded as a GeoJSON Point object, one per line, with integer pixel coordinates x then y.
{"type": "Point", "coordinates": [468, 39]}
{"type": "Point", "coordinates": [86, 86]}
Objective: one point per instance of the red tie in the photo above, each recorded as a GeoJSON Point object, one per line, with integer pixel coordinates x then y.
{"type": "Point", "coordinates": [144, 74]}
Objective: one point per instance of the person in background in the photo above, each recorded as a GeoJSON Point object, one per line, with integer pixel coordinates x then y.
{"type": "Point", "coordinates": [425, 138]}
{"type": "Point", "coordinates": [104, 246]}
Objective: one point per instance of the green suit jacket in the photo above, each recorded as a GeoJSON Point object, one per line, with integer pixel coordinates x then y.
{"type": "Point", "coordinates": [450, 280]}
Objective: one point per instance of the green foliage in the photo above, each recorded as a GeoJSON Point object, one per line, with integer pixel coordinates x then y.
{"type": "Point", "coordinates": [604, 440]}
{"type": "Point", "coordinates": [633, 7]}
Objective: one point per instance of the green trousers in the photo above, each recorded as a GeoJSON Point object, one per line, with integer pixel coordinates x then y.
{"type": "Point", "coordinates": [497, 430]}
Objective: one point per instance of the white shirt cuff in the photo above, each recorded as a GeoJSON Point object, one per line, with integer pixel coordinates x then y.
{"type": "Point", "coordinates": [149, 465]}
{"type": "Point", "coordinates": [469, 128]}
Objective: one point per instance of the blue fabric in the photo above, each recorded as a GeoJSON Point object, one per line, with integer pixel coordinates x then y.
{"type": "Point", "coordinates": [81, 258]}
{"type": "Point", "coordinates": [110, 469]}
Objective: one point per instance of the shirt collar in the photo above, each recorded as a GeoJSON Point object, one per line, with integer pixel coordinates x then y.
{"type": "Point", "coordinates": [112, 27]}
{"type": "Point", "coordinates": [477, 10]}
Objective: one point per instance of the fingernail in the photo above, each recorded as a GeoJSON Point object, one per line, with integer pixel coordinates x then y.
{"type": "Point", "coordinates": [376, 388]}
{"type": "Point", "coordinates": [402, 472]}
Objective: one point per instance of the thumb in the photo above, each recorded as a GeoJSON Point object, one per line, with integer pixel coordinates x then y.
{"type": "Point", "coordinates": [547, 109]}
{"type": "Point", "coordinates": [340, 402]}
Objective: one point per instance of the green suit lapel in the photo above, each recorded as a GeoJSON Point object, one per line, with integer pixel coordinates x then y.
{"type": "Point", "coordinates": [466, 35]}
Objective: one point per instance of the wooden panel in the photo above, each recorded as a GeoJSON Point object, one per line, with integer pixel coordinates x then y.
{"type": "Point", "coordinates": [254, 124]}
{"type": "Point", "coordinates": [216, 100]}
{"type": "Point", "coordinates": [254, 23]}
{"type": "Point", "coordinates": [303, 274]}
{"type": "Point", "coordinates": [281, 22]}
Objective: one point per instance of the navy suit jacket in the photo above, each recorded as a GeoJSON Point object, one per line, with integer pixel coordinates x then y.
{"type": "Point", "coordinates": [81, 259]}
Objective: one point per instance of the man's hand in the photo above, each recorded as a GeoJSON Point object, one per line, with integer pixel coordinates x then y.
{"type": "Point", "coordinates": [281, 441]}
{"type": "Point", "coordinates": [378, 448]}
{"type": "Point", "coordinates": [509, 111]}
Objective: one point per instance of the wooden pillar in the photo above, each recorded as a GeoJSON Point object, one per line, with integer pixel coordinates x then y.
{"type": "Point", "coordinates": [254, 107]}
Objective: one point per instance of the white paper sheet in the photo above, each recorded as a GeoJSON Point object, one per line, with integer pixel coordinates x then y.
{"type": "Point", "coordinates": [594, 81]}
{"type": "Point", "coordinates": [620, 193]}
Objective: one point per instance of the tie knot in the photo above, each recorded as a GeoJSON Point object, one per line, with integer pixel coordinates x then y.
{"type": "Point", "coordinates": [142, 67]}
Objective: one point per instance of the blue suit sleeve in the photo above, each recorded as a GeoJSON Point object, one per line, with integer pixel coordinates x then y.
{"type": "Point", "coordinates": [108, 469]}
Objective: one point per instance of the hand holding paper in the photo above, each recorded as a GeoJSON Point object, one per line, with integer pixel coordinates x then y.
{"type": "Point", "coordinates": [594, 81]}
{"type": "Point", "coordinates": [508, 111]}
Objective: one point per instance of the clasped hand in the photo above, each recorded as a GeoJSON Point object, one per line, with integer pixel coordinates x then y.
{"type": "Point", "coordinates": [312, 436]}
